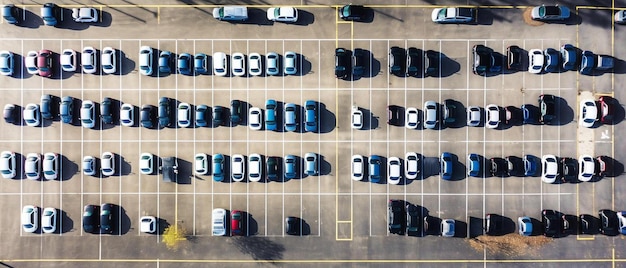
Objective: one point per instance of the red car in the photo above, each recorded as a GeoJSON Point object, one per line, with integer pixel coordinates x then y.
{"type": "Point", "coordinates": [606, 109]}
{"type": "Point", "coordinates": [44, 63]}
{"type": "Point", "coordinates": [236, 223]}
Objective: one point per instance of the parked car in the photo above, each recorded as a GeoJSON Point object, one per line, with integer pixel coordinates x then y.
{"type": "Point", "coordinates": [30, 62]}
{"type": "Point", "coordinates": [202, 113]}
{"type": "Point", "coordinates": [106, 218]}
{"type": "Point", "coordinates": [146, 116]}
{"type": "Point", "coordinates": [609, 222]}
{"type": "Point", "coordinates": [218, 116]}
{"type": "Point", "coordinates": [145, 60]}
{"type": "Point", "coordinates": [550, 13]}
{"type": "Point", "coordinates": [473, 165]}
{"type": "Point", "coordinates": [32, 115]}
{"type": "Point", "coordinates": [30, 218]}
{"type": "Point", "coordinates": [621, 216]}
{"type": "Point", "coordinates": [525, 226]}
{"type": "Point", "coordinates": [231, 13]}
{"type": "Point", "coordinates": [431, 63]}
{"type": "Point", "coordinates": [89, 165]}
{"type": "Point", "coordinates": [12, 14]}
{"type": "Point", "coordinates": [484, 61]}
{"type": "Point", "coordinates": [68, 60]}
{"type": "Point", "coordinates": [619, 17]}
{"type": "Point", "coordinates": [272, 65]}
{"type": "Point", "coordinates": [310, 116]}
{"type": "Point", "coordinates": [184, 63]}
{"type": "Point", "coordinates": [431, 117]}
{"type": "Point", "coordinates": [6, 63]}
{"type": "Point", "coordinates": [550, 170]}
{"type": "Point", "coordinates": [588, 113]}
{"type": "Point", "coordinates": [414, 220]}
{"type": "Point", "coordinates": [9, 113]}
{"type": "Point", "coordinates": [85, 14]}
{"type": "Point", "coordinates": [201, 63]}
{"type": "Point", "coordinates": [358, 167]}
{"type": "Point", "coordinates": [146, 163]}
{"type": "Point", "coordinates": [51, 166]}
{"type": "Point", "coordinates": [569, 169]}
{"type": "Point", "coordinates": [395, 216]}
{"type": "Point", "coordinates": [238, 167]}
{"type": "Point", "coordinates": [107, 59]}
{"type": "Point", "coordinates": [148, 224]}
{"type": "Point", "coordinates": [218, 226]}
{"type": "Point", "coordinates": [353, 12]}
{"type": "Point", "coordinates": [447, 227]}
{"type": "Point", "coordinates": [44, 63]}
{"type": "Point", "coordinates": [492, 116]}
{"type": "Point", "coordinates": [107, 164]}
{"type": "Point", "coordinates": [397, 64]}
{"type": "Point", "coordinates": [570, 57]}
{"type": "Point", "coordinates": [607, 110]}
{"type": "Point", "coordinates": [201, 164]}
{"type": "Point", "coordinates": [473, 116]}
{"type": "Point", "coordinates": [236, 111]}
{"type": "Point", "coordinates": [446, 166]}
{"type": "Point", "coordinates": [536, 61]}
{"type": "Point", "coordinates": [290, 63]}
{"type": "Point", "coordinates": [290, 166]}
{"type": "Point", "coordinates": [270, 115]}
{"type": "Point", "coordinates": [273, 168]}
{"type": "Point", "coordinates": [411, 165]}
{"type": "Point", "coordinates": [164, 112]}
{"type": "Point", "coordinates": [552, 60]}
{"type": "Point", "coordinates": [106, 111]}
{"type": "Point", "coordinates": [255, 65]}
{"type": "Point", "coordinates": [88, 60]}
{"type": "Point", "coordinates": [255, 167]}
{"type": "Point", "coordinates": [165, 61]}
{"type": "Point", "coordinates": [237, 223]}
{"type": "Point", "coordinates": [238, 63]}
{"type": "Point", "coordinates": [293, 226]}
{"type": "Point", "coordinates": [458, 15]}
{"type": "Point", "coordinates": [530, 165]}
{"type": "Point", "coordinates": [51, 14]}
{"type": "Point", "coordinates": [359, 63]}
{"type": "Point", "coordinates": [552, 223]}
{"type": "Point", "coordinates": [127, 115]}
{"type": "Point", "coordinates": [7, 164]}
{"type": "Point", "coordinates": [547, 105]}
{"type": "Point", "coordinates": [498, 167]}
{"type": "Point", "coordinates": [46, 106]}
{"type": "Point", "coordinates": [342, 63]}
{"type": "Point", "coordinates": [184, 115]}
{"type": "Point", "coordinates": [393, 170]}
{"type": "Point", "coordinates": [310, 164]}
{"type": "Point", "coordinates": [88, 114]}
{"type": "Point", "coordinates": [356, 118]}
{"type": "Point", "coordinates": [49, 220]}
{"type": "Point", "coordinates": [375, 166]}
{"type": "Point", "coordinates": [291, 121]}
{"type": "Point", "coordinates": [586, 168]}
{"type": "Point", "coordinates": [218, 167]}
{"type": "Point", "coordinates": [394, 115]}
{"type": "Point", "coordinates": [282, 14]}
{"type": "Point", "coordinates": [514, 57]}
{"type": "Point", "coordinates": [91, 223]}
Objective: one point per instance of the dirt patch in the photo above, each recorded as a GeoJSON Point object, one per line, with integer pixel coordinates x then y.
{"type": "Point", "coordinates": [510, 244]}
{"type": "Point", "coordinates": [528, 19]}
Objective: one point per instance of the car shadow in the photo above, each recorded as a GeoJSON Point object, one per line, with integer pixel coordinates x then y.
{"type": "Point", "coordinates": [162, 224]}
{"type": "Point", "coordinates": [484, 16]}
{"type": "Point", "coordinates": [122, 219]}
{"type": "Point", "coordinates": [564, 113]}
{"type": "Point", "coordinates": [185, 171]}
{"type": "Point", "coordinates": [447, 66]}
{"type": "Point", "coordinates": [370, 121]}
{"type": "Point", "coordinates": [19, 69]}
{"type": "Point", "coordinates": [432, 225]}
{"type": "Point", "coordinates": [327, 119]}
{"type": "Point", "coordinates": [618, 110]}
{"type": "Point", "coordinates": [430, 167]}
{"type": "Point", "coordinates": [475, 227]}
{"type": "Point", "coordinates": [518, 166]}
{"type": "Point", "coordinates": [66, 223]}
{"type": "Point", "coordinates": [250, 223]}
{"type": "Point", "coordinates": [371, 64]}
{"type": "Point", "coordinates": [458, 169]}
{"type": "Point", "coordinates": [614, 168]}
{"type": "Point", "coordinates": [594, 225]}
{"type": "Point", "coordinates": [256, 16]}
{"type": "Point", "coordinates": [304, 18]}
{"type": "Point", "coordinates": [460, 229]}
{"type": "Point", "coordinates": [68, 168]}
{"type": "Point", "coordinates": [538, 228]}
{"type": "Point", "coordinates": [515, 114]}
{"type": "Point", "coordinates": [325, 168]}
{"type": "Point", "coordinates": [304, 64]}
{"type": "Point", "coordinates": [28, 19]}
{"type": "Point", "coordinates": [125, 167]}
{"type": "Point", "coordinates": [125, 64]}
{"type": "Point", "coordinates": [19, 166]}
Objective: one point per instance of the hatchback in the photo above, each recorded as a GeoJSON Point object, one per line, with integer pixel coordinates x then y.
{"type": "Point", "coordinates": [238, 168]}
{"type": "Point", "coordinates": [46, 106]}
{"type": "Point", "coordinates": [184, 63]}
{"type": "Point", "coordinates": [310, 164]}
{"type": "Point", "coordinates": [238, 64]}
{"type": "Point", "coordinates": [88, 60]}
{"type": "Point", "coordinates": [184, 115]}
{"type": "Point", "coordinates": [282, 14]}
{"type": "Point", "coordinates": [51, 166]}
{"type": "Point", "coordinates": [255, 167]}
{"type": "Point", "coordinates": [588, 113]}
{"type": "Point", "coordinates": [107, 164]}
{"type": "Point", "coordinates": [6, 63]}
{"type": "Point", "coordinates": [375, 165]}
{"type": "Point", "coordinates": [291, 121]}
{"type": "Point", "coordinates": [44, 63]}
{"type": "Point", "coordinates": [201, 164]}
{"type": "Point", "coordinates": [202, 111]}
{"type": "Point", "coordinates": [536, 61]}
{"type": "Point", "coordinates": [430, 115]}
{"type": "Point", "coordinates": [236, 223]}
{"type": "Point", "coordinates": [394, 170]}
{"type": "Point", "coordinates": [272, 66]}
{"type": "Point", "coordinates": [447, 227]}
{"type": "Point", "coordinates": [220, 64]}
{"type": "Point", "coordinates": [145, 60]}
{"type": "Point", "coordinates": [30, 218]}
{"type": "Point", "coordinates": [289, 63]}
{"type": "Point", "coordinates": [356, 117]}
{"type": "Point", "coordinates": [165, 59]}
{"type": "Point", "coordinates": [201, 63]}
{"type": "Point", "coordinates": [218, 226]}
{"type": "Point", "coordinates": [49, 220]}
{"type": "Point", "coordinates": [525, 226]}
{"type": "Point", "coordinates": [32, 166]}
{"type": "Point", "coordinates": [127, 115]}
{"type": "Point", "coordinates": [148, 224]}
{"type": "Point", "coordinates": [310, 116]}
{"type": "Point", "coordinates": [30, 62]}
{"type": "Point", "coordinates": [90, 218]}
{"type": "Point", "coordinates": [290, 166]}
{"type": "Point", "coordinates": [107, 58]}
{"type": "Point", "coordinates": [146, 163]}
{"type": "Point", "coordinates": [270, 114]}
{"type": "Point", "coordinates": [32, 115]}
{"type": "Point", "coordinates": [255, 118]}
{"type": "Point", "coordinates": [7, 164]}
{"type": "Point", "coordinates": [218, 167]}
{"type": "Point", "coordinates": [89, 165]}
{"type": "Point", "coordinates": [68, 60]}
{"type": "Point", "coordinates": [473, 165]}
{"type": "Point", "coordinates": [411, 165]}
{"type": "Point", "coordinates": [586, 168]}
{"type": "Point", "coordinates": [358, 167]}
{"type": "Point", "coordinates": [255, 65]}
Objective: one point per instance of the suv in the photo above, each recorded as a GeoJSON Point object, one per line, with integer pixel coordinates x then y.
{"type": "Point", "coordinates": [484, 61]}
{"type": "Point", "coordinates": [547, 105]}
{"type": "Point", "coordinates": [231, 13]}
{"type": "Point", "coordinates": [342, 63]}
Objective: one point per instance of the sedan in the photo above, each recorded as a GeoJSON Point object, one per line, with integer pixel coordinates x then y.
{"type": "Point", "coordinates": [282, 14]}
{"type": "Point", "coordinates": [492, 116]}
{"type": "Point", "coordinates": [89, 165]}
{"type": "Point", "coordinates": [255, 167]}
{"type": "Point", "coordinates": [68, 60]}
{"type": "Point", "coordinates": [447, 227]}
{"type": "Point", "coordinates": [164, 112]}
{"type": "Point", "coordinates": [218, 115]}
{"type": "Point", "coordinates": [536, 61]}
{"type": "Point", "coordinates": [107, 58]}
{"type": "Point", "coordinates": [30, 218]}
{"type": "Point", "coordinates": [586, 168]}
{"type": "Point", "coordinates": [7, 164]}
{"type": "Point", "coordinates": [290, 166]}
{"type": "Point", "coordinates": [473, 116]}
{"type": "Point", "coordinates": [238, 62]}
{"type": "Point", "coordinates": [88, 60]}
{"type": "Point", "coordinates": [147, 224]}
{"type": "Point", "coordinates": [32, 115]}
{"type": "Point", "coordinates": [238, 168]}
{"type": "Point", "coordinates": [201, 63]}
{"type": "Point", "coordinates": [184, 63]}
{"type": "Point", "coordinates": [289, 63]}
{"type": "Point", "coordinates": [6, 63]}
{"type": "Point", "coordinates": [255, 65]}
{"type": "Point", "coordinates": [106, 111]}
{"type": "Point", "coordinates": [525, 226]}
{"type": "Point", "coordinates": [218, 227]}
{"type": "Point", "coordinates": [270, 114]}
{"type": "Point", "coordinates": [454, 15]}
{"type": "Point", "coordinates": [550, 170]}
{"type": "Point", "coordinates": [30, 62]}
{"type": "Point", "coordinates": [588, 113]}
{"type": "Point", "coordinates": [201, 163]}
{"type": "Point", "coordinates": [202, 112]}
{"type": "Point", "coordinates": [272, 64]}
{"type": "Point", "coordinates": [411, 116]}
{"type": "Point", "coordinates": [51, 166]}
{"type": "Point", "coordinates": [146, 116]}
{"type": "Point", "coordinates": [184, 115]}
{"type": "Point", "coordinates": [220, 64]}
{"type": "Point", "coordinates": [290, 117]}
{"type": "Point", "coordinates": [106, 218]}
{"type": "Point", "coordinates": [550, 13]}
{"type": "Point", "coordinates": [49, 220]}
{"type": "Point", "coordinates": [44, 63]}
{"type": "Point", "coordinates": [356, 117]}
{"type": "Point", "coordinates": [393, 170]}
{"type": "Point", "coordinates": [431, 117]}
{"type": "Point", "coordinates": [32, 166]}
{"type": "Point", "coordinates": [90, 219]}
{"type": "Point", "coordinates": [446, 166]}
{"type": "Point", "coordinates": [218, 167]}
{"type": "Point", "coordinates": [127, 115]}
{"type": "Point", "coordinates": [88, 114]}
{"type": "Point", "coordinates": [359, 63]}
{"type": "Point", "coordinates": [358, 167]}
{"type": "Point", "coordinates": [569, 170]}
{"type": "Point", "coordinates": [587, 62]}
{"type": "Point", "coordinates": [107, 164]}
{"type": "Point", "coordinates": [375, 166]}
{"type": "Point", "coordinates": [342, 63]}
{"type": "Point", "coordinates": [552, 223]}
{"type": "Point", "coordinates": [85, 14]}
{"type": "Point", "coordinates": [552, 60]}
{"type": "Point", "coordinates": [146, 163]}
{"type": "Point", "coordinates": [530, 165]}
{"type": "Point", "coordinates": [484, 61]}
{"type": "Point", "coordinates": [411, 165]}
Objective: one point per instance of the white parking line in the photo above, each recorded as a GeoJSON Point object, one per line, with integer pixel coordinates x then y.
{"type": "Point", "coordinates": [332, 194]}
{"type": "Point", "coordinates": [132, 141]}
{"type": "Point", "coordinates": [140, 144]}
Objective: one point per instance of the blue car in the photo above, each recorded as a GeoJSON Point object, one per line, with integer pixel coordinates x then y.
{"type": "Point", "coordinates": [291, 121]}
{"type": "Point", "coordinates": [290, 166]}
{"type": "Point", "coordinates": [200, 62]}
{"type": "Point", "coordinates": [201, 115]}
{"type": "Point", "coordinates": [375, 165]}
{"type": "Point", "coordinates": [65, 109]}
{"type": "Point", "coordinates": [310, 116]}
{"type": "Point", "coordinates": [270, 114]}
{"type": "Point", "coordinates": [446, 166]}
{"type": "Point", "coordinates": [164, 62]}
{"type": "Point", "coordinates": [527, 114]}
{"type": "Point", "coordinates": [184, 64]}
{"type": "Point", "coordinates": [588, 60]}
{"type": "Point", "coordinates": [473, 165]}
{"type": "Point", "coordinates": [218, 167]}
{"type": "Point", "coordinates": [530, 165]}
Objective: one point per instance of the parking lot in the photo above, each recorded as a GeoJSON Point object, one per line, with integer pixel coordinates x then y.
{"type": "Point", "coordinates": [345, 221]}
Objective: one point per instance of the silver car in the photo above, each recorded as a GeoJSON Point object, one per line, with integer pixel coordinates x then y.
{"type": "Point", "coordinates": [68, 60]}
{"type": "Point", "coordinates": [89, 165]}
{"type": "Point", "coordinates": [51, 166]}
{"type": "Point", "coordinates": [107, 164]}
{"type": "Point", "coordinates": [430, 115]}
{"type": "Point", "coordinates": [289, 62]}
{"type": "Point", "coordinates": [255, 65]}
{"type": "Point", "coordinates": [89, 60]}
{"type": "Point", "coordinates": [473, 116]}
{"type": "Point", "coordinates": [32, 115]}
{"type": "Point", "coordinates": [7, 164]}
{"type": "Point", "coordinates": [201, 163]}
{"type": "Point", "coordinates": [146, 163]}
{"type": "Point", "coordinates": [272, 64]}
{"type": "Point", "coordinates": [107, 58]}
{"type": "Point", "coordinates": [88, 114]}
{"type": "Point", "coordinates": [32, 166]}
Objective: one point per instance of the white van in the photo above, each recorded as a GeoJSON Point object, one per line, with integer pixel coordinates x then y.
{"type": "Point", "coordinates": [231, 13]}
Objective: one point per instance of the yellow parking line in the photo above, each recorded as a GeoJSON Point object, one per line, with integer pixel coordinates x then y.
{"type": "Point", "coordinates": [158, 15]}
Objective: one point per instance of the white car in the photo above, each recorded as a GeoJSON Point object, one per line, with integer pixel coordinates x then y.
{"type": "Point", "coordinates": [447, 227]}
{"type": "Point", "coordinates": [127, 117]}
{"type": "Point", "coordinates": [411, 165]}
{"type": "Point", "coordinates": [107, 60]}
{"type": "Point", "coordinates": [201, 163]}
{"type": "Point", "coordinates": [255, 167]}
{"type": "Point", "coordinates": [272, 64]}
{"type": "Point", "coordinates": [32, 166]}
{"type": "Point", "coordinates": [88, 114]}
{"type": "Point", "coordinates": [49, 220]}
{"type": "Point", "coordinates": [107, 164]}
{"type": "Point", "coordinates": [358, 167]}
{"type": "Point", "coordinates": [85, 14]}
{"type": "Point", "coordinates": [282, 14]}
{"type": "Point", "coordinates": [89, 165]}
{"type": "Point", "coordinates": [219, 222]}
{"type": "Point", "coordinates": [6, 62]}
{"type": "Point", "coordinates": [536, 61]}
{"type": "Point", "coordinates": [32, 115]}
{"type": "Point", "coordinates": [7, 164]}
{"type": "Point", "coordinates": [51, 166]}
{"type": "Point", "coordinates": [620, 16]}
{"type": "Point", "coordinates": [393, 170]}
{"type": "Point", "coordinates": [88, 60]}
{"type": "Point", "coordinates": [621, 217]}
{"type": "Point", "coordinates": [184, 114]}
{"type": "Point", "coordinates": [289, 63]}
{"type": "Point", "coordinates": [146, 163]}
{"type": "Point", "coordinates": [30, 218]}
{"type": "Point", "coordinates": [255, 65]}
{"type": "Point", "coordinates": [238, 167]}
{"type": "Point", "coordinates": [255, 118]}
{"type": "Point", "coordinates": [430, 115]}
{"type": "Point", "coordinates": [586, 168]}
{"type": "Point", "coordinates": [588, 113]}
{"type": "Point", "coordinates": [220, 64]}
{"type": "Point", "coordinates": [68, 60]}
{"type": "Point", "coordinates": [550, 169]}
{"type": "Point", "coordinates": [148, 224]}
{"type": "Point", "coordinates": [238, 62]}
{"type": "Point", "coordinates": [356, 118]}
{"type": "Point", "coordinates": [145, 60]}
{"type": "Point", "coordinates": [30, 62]}
{"type": "Point", "coordinates": [492, 116]}
{"type": "Point", "coordinates": [473, 116]}
{"type": "Point", "coordinates": [411, 118]}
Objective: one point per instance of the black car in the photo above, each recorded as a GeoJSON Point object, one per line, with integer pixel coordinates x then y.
{"type": "Point", "coordinates": [514, 57]}
{"type": "Point", "coordinates": [515, 166]}
{"type": "Point", "coordinates": [396, 216]}
{"type": "Point", "coordinates": [218, 115]}
{"type": "Point", "coordinates": [164, 112]}
{"type": "Point", "coordinates": [547, 105]}
{"type": "Point", "coordinates": [9, 113]}
{"type": "Point", "coordinates": [394, 115]}
{"type": "Point", "coordinates": [353, 13]}
{"type": "Point", "coordinates": [147, 115]}
{"type": "Point", "coordinates": [235, 112]}
{"type": "Point", "coordinates": [397, 60]}
{"type": "Point", "coordinates": [569, 169]}
{"type": "Point", "coordinates": [273, 168]}
{"type": "Point", "coordinates": [414, 220]}
{"type": "Point", "coordinates": [414, 58]}
{"type": "Point", "coordinates": [552, 223]}
{"type": "Point", "coordinates": [342, 63]}
{"type": "Point", "coordinates": [90, 219]}
{"type": "Point", "coordinates": [292, 226]}
{"type": "Point", "coordinates": [492, 224]}
{"type": "Point", "coordinates": [587, 224]}
{"type": "Point", "coordinates": [358, 62]}
{"type": "Point", "coordinates": [105, 111]}
{"type": "Point", "coordinates": [609, 221]}
{"type": "Point", "coordinates": [431, 63]}
{"type": "Point", "coordinates": [106, 218]}
{"type": "Point", "coordinates": [484, 61]}
{"type": "Point", "coordinates": [498, 167]}
{"type": "Point", "coordinates": [450, 112]}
